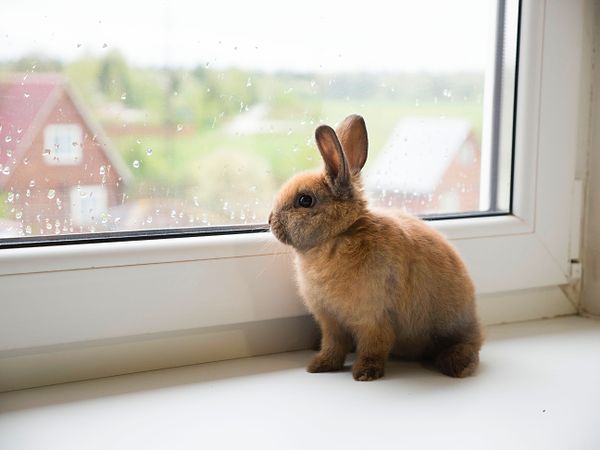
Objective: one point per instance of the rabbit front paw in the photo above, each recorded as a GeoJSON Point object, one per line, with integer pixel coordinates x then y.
{"type": "Point", "coordinates": [325, 363]}
{"type": "Point", "coordinates": [368, 369]}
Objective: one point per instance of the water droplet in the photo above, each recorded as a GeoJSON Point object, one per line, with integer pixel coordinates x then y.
{"type": "Point", "coordinates": [32, 183]}
{"type": "Point", "coordinates": [138, 141]}
{"type": "Point", "coordinates": [196, 201]}
{"type": "Point", "coordinates": [7, 139]}
{"type": "Point", "coordinates": [149, 219]}
{"type": "Point", "coordinates": [9, 153]}
{"type": "Point", "coordinates": [25, 161]}
{"type": "Point", "coordinates": [136, 164]}
{"type": "Point", "coordinates": [124, 96]}
{"type": "Point", "coordinates": [46, 151]}
{"type": "Point", "coordinates": [19, 130]}
{"type": "Point", "coordinates": [10, 197]}
{"type": "Point", "coordinates": [179, 127]}
{"type": "Point", "coordinates": [313, 83]}
{"type": "Point", "coordinates": [149, 151]}
{"type": "Point", "coordinates": [102, 170]}
{"type": "Point", "coordinates": [6, 170]}
{"type": "Point", "coordinates": [249, 82]}
{"type": "Point", "coordinates": [26, 95]}
{"type": "Point", "coordinates": [51, 193]}
{"type": "Point", "coordinates": [48, 226]}
{"type": "Point", "coordinates": [28, 229]}
{"type": "Point", "coordinates": [104, 45]}
{"type": "Point", "coordinates": [447, 93]}
{"type": "Point", "coordinates": [78, 45]}
{"type": "Point", "coordinates": [18, 215]}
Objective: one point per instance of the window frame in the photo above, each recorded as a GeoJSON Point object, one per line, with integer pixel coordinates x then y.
{"type": "Point", "coordinates": [168, 285]}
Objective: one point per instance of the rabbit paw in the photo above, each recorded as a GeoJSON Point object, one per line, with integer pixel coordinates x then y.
{"type": "Point", "coordinates": [322, 363]}
{"type": "Point", "coordinates": [368, 369]}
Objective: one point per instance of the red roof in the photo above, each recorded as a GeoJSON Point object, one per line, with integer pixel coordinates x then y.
{"type": "Point", "coordinates": [21, 100]}
{"type": "Point", "coordinates": [25, 101]}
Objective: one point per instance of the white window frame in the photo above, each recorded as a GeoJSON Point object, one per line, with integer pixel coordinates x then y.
{"type": "Point", "coordinates": [65, 294]}
{"type": "Point", "coordinates": [60, 156]}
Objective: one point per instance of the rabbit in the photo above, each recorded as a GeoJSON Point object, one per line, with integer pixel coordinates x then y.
{"type": "Point", "coordinates": [381, 284]}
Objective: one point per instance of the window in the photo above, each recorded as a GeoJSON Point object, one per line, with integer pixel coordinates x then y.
{"type": "Point", "coordinates": [197, 124]}
{"type": "Point", "coordinates": [110, 291]}
{"type": "Point", "coordinates": [62, 144]}
{"type": "Point", "coordinates": [88, 204]}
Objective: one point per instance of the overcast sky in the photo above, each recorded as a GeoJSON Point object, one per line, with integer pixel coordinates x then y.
{"type": "Point", "coordinates": [310, 35]}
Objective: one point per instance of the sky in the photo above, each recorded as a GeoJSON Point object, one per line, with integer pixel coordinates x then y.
{"type": "Point", "coordinates": [308, 36]}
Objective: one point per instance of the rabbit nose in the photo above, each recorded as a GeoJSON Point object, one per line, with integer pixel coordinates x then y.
{"type": "Point", "coordinates": [270, 217]}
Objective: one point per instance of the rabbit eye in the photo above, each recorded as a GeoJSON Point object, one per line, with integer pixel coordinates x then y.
{"type": "Point", "coordinates": [305, 201]}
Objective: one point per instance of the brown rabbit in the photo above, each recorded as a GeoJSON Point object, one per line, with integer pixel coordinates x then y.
{"type": "Point", "coordinates": [386, 284]}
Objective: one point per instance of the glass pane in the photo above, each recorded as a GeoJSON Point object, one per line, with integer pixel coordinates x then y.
{"type": "Point", "coordinates": [117, 116]}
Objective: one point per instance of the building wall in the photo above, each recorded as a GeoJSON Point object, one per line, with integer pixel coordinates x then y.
{"type": "Point", "coordinates": [33, 177]}
{"type": "Point", "coordinates": [460, 181]}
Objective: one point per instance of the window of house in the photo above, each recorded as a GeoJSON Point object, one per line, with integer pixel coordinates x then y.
{"type": "Point", "coordinates": [197, 123]}
{"type": "Point", "coordinates": [62, 144]}
{"type": "Point", "coordinates": [89, 205]}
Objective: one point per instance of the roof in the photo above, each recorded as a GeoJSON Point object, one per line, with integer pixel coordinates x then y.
{"type": "Point", "coordinates": [417, 155]}
{"type": "Point", "coordinates": [26, 100]}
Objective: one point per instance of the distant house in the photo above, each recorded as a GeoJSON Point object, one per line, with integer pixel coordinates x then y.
{"type": "Point", "coordinates": [427, 165]}
{"type": "Point", "coordinates": [58, 169]}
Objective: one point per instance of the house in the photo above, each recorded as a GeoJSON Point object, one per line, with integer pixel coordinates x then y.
{"type": "Point", "coordinates": [58, 170]}
{"type": "Point", "coordinates": [428, 165]}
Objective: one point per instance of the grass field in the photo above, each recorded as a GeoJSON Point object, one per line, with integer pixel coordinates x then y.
{"type": "Point", "coordinates": [176, 161]}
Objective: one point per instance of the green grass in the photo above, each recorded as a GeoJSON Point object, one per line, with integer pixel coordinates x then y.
{"type": "Point", "coordinates": [176, 161]}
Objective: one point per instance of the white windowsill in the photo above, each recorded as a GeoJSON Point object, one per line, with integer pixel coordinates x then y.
{"type": "Point", "coordinates": [524, 396]}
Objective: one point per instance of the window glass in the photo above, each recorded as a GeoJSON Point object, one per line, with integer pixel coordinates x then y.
{"type": "Point", "coordinates": [119, 116]}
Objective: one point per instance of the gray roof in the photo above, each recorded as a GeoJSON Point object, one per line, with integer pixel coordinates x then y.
{"type": "Point", "coordinates": [417, 155]}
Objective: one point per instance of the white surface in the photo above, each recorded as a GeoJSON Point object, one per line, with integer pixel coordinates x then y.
{"type": "Point", "coordinates": [537, 388]}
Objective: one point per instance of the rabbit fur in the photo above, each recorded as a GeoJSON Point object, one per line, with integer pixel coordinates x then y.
{"type": "Point", "coordinates": [378, 283]}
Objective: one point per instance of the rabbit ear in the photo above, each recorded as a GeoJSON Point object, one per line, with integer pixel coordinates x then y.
{"type": "Point", "coordinates": [352, 133]}
{"type": "Point", "coordinates": [336, 165]}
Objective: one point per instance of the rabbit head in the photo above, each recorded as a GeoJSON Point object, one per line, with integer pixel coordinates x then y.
{"type": "Point", "coordinates": [314, 207]}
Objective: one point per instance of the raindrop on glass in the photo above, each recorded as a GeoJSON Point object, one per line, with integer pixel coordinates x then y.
{"type": "Point", "coordinates": [32, 183]}
{"type": "Point", "coordinates": [104, 45]}
{"type": "Point", "coordinates": [18, 215]}
{"type": "Point", "coordinates": [249, 82]}
{"type": "Point", "coordinates": [124, 96]}
{"type": "Point", "coordinates": [149, 151]}
{"type": "Point", "coordinates": [10, 197]}
{"type": "Point", "coordinates": [6, 170]}
{"type": "Point", "coordinates": [51, 193]}
{"type": "Point", "coordinates": [7, 139]}
{"type": "Point", "coordinates": [179, 127]}
{"type": "Point", "coordinates": [26, 95]}
{"type": "Point", "coordinates": [136, 164]}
